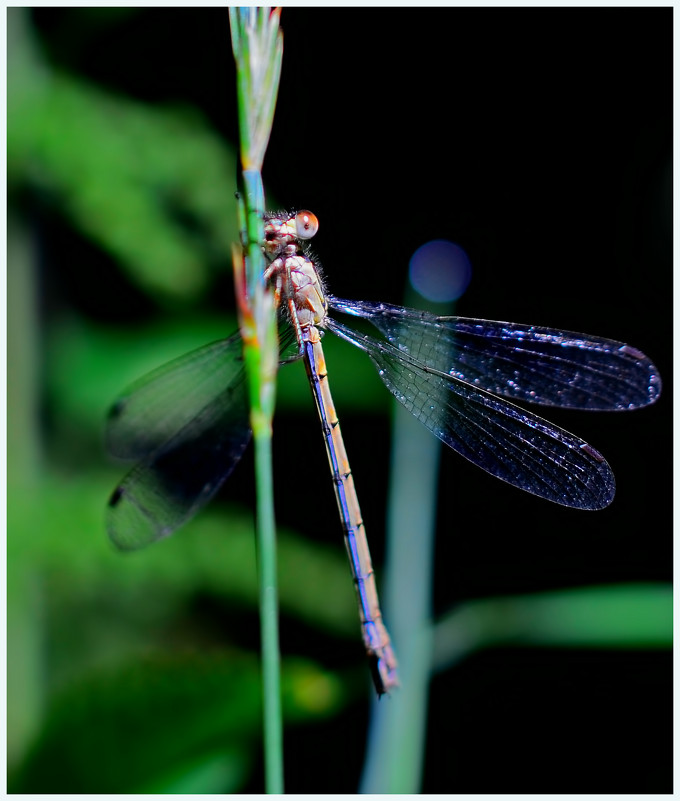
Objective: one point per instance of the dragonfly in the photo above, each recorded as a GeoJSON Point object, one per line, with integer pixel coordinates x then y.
{"type": "Point", "coordinates": [186, 424]}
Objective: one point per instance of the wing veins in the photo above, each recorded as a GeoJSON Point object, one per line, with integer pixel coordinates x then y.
{"type": "Point", "coordinates": [492, 415]}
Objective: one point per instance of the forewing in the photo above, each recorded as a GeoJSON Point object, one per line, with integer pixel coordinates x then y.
{"type": "Point", "coordinates": [506, 441]}
{"type": "Point", "coordinates": [524, 363]}
{"type": "Point", "coordinates": [188, 423]}
{"type": "Point", "coordinates": [160, 404]}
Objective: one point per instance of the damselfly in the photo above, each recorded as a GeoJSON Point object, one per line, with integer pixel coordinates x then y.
{"type": "Point", "coordinates": [187, 423]}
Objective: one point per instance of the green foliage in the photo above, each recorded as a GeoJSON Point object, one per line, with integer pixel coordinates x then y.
{"type": "Point", "coordinates": [131, 617]}
{"type": "Point", "coordinates": [618, 616]}
{"type": "Point", "coordinates": [152, 186]}
{"type": "Point", "coordinates": [184, 719]}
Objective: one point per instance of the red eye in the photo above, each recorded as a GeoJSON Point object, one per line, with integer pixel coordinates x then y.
{"type": "Point", "coordinates": [306, 224]}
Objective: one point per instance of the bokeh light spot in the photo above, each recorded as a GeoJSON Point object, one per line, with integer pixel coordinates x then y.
{"type": "Point", "coordinates": [440, 270]}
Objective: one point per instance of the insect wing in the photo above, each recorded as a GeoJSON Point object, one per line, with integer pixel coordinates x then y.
{"type": "Point", "coordinates": [188, 421]}
{"type": "Point", "coordinates": [157, 406]}
{"type": "Point", "coordinates": [506, 441]}
{"type": "Point", "coordinates": [521, 362]}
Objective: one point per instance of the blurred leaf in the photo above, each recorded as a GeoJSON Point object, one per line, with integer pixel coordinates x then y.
{"type": "Point", "coordinates": [211, 774]}
{"type": "Point", "coordinates": [616, 616]}
{"type": "Point", "coordinates": [152, 186]}
{"type": "Point", "coordinates": [144, 724]}
{"type": "Point", "coordinates": [64, 569]}
{"type": "Point", "coordinates": [121, 600]}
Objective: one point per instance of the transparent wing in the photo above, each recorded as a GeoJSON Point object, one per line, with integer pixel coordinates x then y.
{"type": "Point", "coordinates": [524, 363]}
{"type": "Point", "coordinates": [506, 441]}
{"type": "Point", "coordinates": [169, 486]}
{"type": "Point", "coordinates": [188, 421]}
{"type": "Point", "coordinates": [155, 408]}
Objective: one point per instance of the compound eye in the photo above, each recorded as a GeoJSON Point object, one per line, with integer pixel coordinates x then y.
{"type": "Point", "coordinates": [306, 224]}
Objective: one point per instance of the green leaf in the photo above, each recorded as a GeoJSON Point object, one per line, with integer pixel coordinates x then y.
{"type": "Point", "coordinates": [615, 616]}
{"type": "Point", "coordinates": [152, 186]}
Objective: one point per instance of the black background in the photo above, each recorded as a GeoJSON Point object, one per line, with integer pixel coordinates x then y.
{"type": "Point", "coordinates": [541, 142]}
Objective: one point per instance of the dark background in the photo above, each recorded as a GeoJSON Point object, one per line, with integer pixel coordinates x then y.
{"type": "Point", "coordinates": [540, 141]}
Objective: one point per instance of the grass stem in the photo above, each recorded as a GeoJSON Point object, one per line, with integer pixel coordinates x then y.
{"type": "Point", "coordinates": [258, 49]}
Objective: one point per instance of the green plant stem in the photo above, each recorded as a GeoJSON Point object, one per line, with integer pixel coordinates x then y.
{"type": "Point", "coordinates": [257, 45]}
{"type": "Point", "coordinates": [269, 628]}
{"type": "Point", "coordinates": [396, 741]}
{"type": "Point", "coordinates": [260, 350]}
